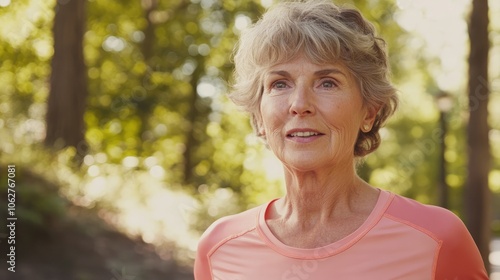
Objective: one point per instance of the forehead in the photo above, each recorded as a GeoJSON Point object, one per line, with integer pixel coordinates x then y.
{"type": "Point", "coordinates": [304, 64]}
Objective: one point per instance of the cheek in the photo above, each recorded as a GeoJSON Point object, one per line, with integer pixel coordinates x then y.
{"type": "Point", "coordinates": [344, 122]}
{"type": "Point", "coordinates": [270, 114]}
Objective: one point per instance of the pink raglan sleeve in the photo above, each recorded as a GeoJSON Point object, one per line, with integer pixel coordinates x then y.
{"type": "Point", "coordinates": [459, 257]}
{"type": "Point", "coordinates": [202, 269]}
{"type": "Point", "coordinates": [216, 234]}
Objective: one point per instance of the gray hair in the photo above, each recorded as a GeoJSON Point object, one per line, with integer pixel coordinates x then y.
{"type": "Point", "coordinates": [325, 33]}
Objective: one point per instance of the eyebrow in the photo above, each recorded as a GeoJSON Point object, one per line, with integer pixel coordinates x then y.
{"type": "Point", "coordinates": [280, 73]}
{"type": "Point", "coordinates": [317, 73]}
{"type": "Point", "coordinates": [330, 71]}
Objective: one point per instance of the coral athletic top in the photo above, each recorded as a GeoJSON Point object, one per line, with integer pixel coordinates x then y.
{"type": "Point", "coordinates": [400, 239]}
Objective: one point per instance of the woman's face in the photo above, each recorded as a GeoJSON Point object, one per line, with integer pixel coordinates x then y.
{"type": "Point", "coordinates": [311, 114]}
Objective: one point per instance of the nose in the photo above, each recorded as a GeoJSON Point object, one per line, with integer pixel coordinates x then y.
{"type": "Point", "coordinates": [302, 102]}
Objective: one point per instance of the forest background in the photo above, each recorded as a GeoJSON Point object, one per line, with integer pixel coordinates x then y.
{"type": "Point", "coordinates": [125, 148]}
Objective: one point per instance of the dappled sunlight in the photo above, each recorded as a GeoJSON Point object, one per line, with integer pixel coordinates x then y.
{"type": "Point", "coordinates": [135, 200]}
{"type": "Point", "coordinates": [4, 3]}
{"type": "Point", "coordinates": [442, 27]}
{"type": "Point", "coordinates": [168, 153]}
{"type": "Point", "coordinates": [439, 40]}
{"type": "Point", "coordinates": [138, 203]}
{"type": "Point", "coordinates": [494, 259]}
{"type": "Point", "coordinates": [21, 23]}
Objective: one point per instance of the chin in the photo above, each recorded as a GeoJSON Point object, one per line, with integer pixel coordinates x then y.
{"type": "Point", "coordinates": [301, 165]}
{"type": "Point", "coordinates": [315, 162]}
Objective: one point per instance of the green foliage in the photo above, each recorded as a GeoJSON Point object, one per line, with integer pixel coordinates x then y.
{"type": "Point", "coordinates": [157, 114]}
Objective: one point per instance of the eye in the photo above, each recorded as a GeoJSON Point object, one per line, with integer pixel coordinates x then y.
{"type": "Point", "coordinates": [279, 85]}
{"type": "Point", "coordinates": [328, 83]}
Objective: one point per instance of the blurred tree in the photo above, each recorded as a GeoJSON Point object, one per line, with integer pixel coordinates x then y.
{"type": "Point", "coordinates": [144, 106]}
{"type": "Point", "coordinates": [156, 78]}
{"type": "Point", "coordinates": [68, 81]}
{"type": "Point", "coordinates": [477, 192]}
{"type": "Point", "coordinates": [157, 72]}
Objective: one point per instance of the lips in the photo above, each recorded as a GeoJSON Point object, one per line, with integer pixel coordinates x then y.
{"type": "Point", "coordinates": [303, 133]}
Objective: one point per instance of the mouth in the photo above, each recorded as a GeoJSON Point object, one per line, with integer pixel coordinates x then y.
{"type": "Point", "coordinates": [303, 134]}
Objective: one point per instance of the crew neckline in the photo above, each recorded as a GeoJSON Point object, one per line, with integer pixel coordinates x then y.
{"type": "Point", "coordinates": [334, 248]}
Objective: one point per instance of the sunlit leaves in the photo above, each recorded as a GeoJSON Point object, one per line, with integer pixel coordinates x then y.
{"type": "Point", "coordinates": [139, 105]}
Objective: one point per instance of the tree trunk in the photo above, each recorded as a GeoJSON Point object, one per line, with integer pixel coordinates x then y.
{"type": "Point", "coordinates": [190, 140]}
{"type": "Point", "coordinates": [68, 82]}
{"type": "Point", "coordinates": [477, 193]}
{"type": "Point", "coordinates": [146, 103]}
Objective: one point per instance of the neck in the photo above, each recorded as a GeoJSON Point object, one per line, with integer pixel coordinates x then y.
{"type": "Point", "coordinates": [316, 196]}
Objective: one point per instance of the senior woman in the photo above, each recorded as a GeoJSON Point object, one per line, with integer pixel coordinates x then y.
{"type": "Point", "coordinates": [314, 78]}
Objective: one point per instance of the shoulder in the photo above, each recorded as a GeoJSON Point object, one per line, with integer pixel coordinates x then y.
{"type": "Point", "coordinates": [229, 227]}
{"type": "Point", "coordinates": [438, 222]}
{"type": "Point", "coordinates": [218, 233]}
{"type": "Point", "coordinates": [458, 256]}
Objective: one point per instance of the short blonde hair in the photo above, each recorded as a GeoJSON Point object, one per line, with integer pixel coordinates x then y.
{"type": "Point", "coordinates": [325, 33]}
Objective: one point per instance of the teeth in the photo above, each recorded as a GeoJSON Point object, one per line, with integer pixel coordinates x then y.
{"type": "Point", "coordinates": [304, 134]}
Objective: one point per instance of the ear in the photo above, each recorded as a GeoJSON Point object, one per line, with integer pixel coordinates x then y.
{"type": "Point", "coordinates": [371, 112]}
{"type": "Point", "coordinates": [261, 132]}
{"type": "Point", "coordinates": [258, 124]}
